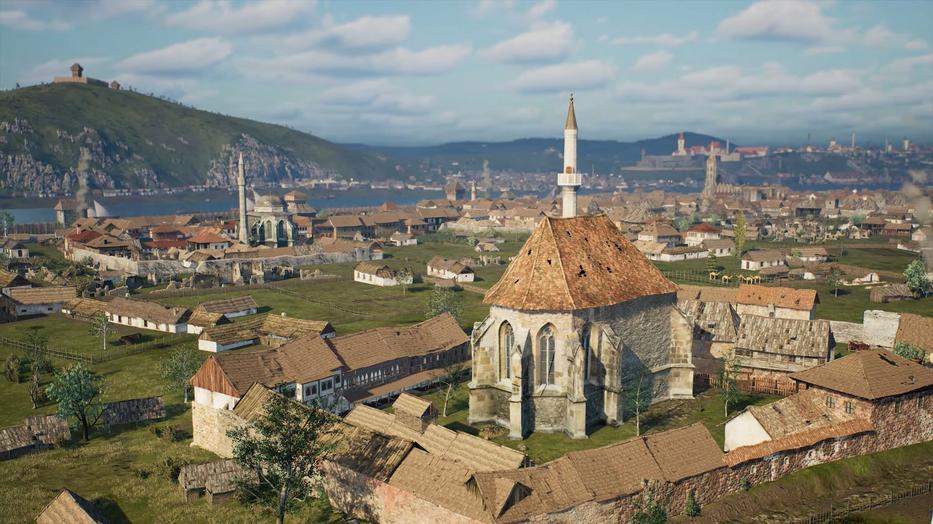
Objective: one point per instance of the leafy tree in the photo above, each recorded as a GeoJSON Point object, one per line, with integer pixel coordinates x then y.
{"type": "Point", "coordinates": [36, 344]}
{"type": "Point", "coordinates": [728, 383]}
{"type": "Point", "coordinates": [739, 231]}
{"type": "Point", "coordinates": [916, 276]}
{"type": "Point", "coordinates": [691, 507]}
{"type": "Point", "coordinates": [909, 351]}
{"type": "Point", "coordinates": [452, 372]}
{"type": "Point", "coordinates": [444, 301]}
{"type": "Point", "coordinates": [403, 275]}
{"type": "Point", "coordinates": [178, 366]}
{"type": "Point", "coordinates": [79, 394]}
{"type": "Point", "coordinates": [711, 263]}
{"type": "Point", "coordinates": [7, 220]}
{"type": "Point", "coordinates": [283, 449]}
{"type": "Point", "coordinates": [100, 327]}
{"type": "Point", "coordinates": [639, 398]}
{"type": "Point", "coordinates": [834, 280]}
{"type": "Point", "coordinates": [682, 223]}
{"type": "Point", "coordinates": [651, 511]}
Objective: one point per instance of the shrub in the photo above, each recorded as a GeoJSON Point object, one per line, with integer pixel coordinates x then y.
{"type": "Point", "coordinates": [142, 473]}
{"type": "Point", "coordinates": [651, 512]}
{"type": "Point", "coordinates": [168, 432]}
{"type": "Point", "coordinates": [908, 351]}
{"type": "Point", "coordinates": [691, 507]}
{"type": "Point", "coordinates": [13, 369]}
{"type": "Point", "coordinates": [170, 468]}
{"type": "Point", "coordinates": [746, 485]}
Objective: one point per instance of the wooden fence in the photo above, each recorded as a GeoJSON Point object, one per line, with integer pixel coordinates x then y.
{"type": "Point", "coordinates": [873, 502]}
{"type": "Point", "coordinates": [196, 292]}
{"type": "Point", "coordinates": [752, 385]}
{"type": "Point", "coordinates": [112, 353]}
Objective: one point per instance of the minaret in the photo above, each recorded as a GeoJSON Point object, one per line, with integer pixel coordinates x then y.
{"type": "Point", "coordinates": [681, 144]}
{"type": "Point", "coordinates": [472, 190]}
{"type": "Point", "coordinates": [241, 187]}
{"type": "Point", "coordinates": [569, 180]}
{"type": "Point", "coordinates": [709, 186]}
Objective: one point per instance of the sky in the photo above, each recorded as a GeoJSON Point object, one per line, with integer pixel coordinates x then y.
{"type": "Point", "coordinates": [416, 73]}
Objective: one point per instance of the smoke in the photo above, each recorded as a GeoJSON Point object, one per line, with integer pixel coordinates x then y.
{"type": "Point", "coordinates": [84, 163]}
{"type": "Point", "coordinates": [920, 203]}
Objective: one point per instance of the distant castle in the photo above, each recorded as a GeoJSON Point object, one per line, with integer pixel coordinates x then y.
{"type": "Point", "coordinates": [77, 77]}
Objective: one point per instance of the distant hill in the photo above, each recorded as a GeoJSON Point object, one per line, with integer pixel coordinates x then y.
{"type": "Point", "coordinates": [530, 154]}
{"type": "Point", "coordinates": [142, 141]}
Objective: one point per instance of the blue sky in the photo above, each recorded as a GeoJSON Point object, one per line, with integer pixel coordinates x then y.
{"type": "Point", "coordinates": [429, 72]}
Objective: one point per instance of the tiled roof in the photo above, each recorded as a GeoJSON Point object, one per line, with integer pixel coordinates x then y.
{"type": "Point", "coordinates": [259, 326]}
{"type": "Point", "coordinates": [229, 305]}
{"type": "Point", "coordinates": [41, 295]}
{"type": "Point", "coordinates": [218, 477]}
{"type": "Point", "coordinates": [869, 374]}
{"type": "Point", "coordinates": [576, 263]}
{"type": "Point", "coordinates": [374, 346]}
{"type": "Point", "coordinates": [206, 319]}
{"type": "Point", "coordinates": [9, 278]}
{"type": "Point", "coordinates": [134, 410]}
{"type": "Point", "coordinates": [147, 310]}
{"type": "Point", "coordinates": [84, 307]}
{"type": "Point", "coordinates": [803, 411]}
{"type": "Point", "coordinates": [412, 405]}
{"type": "Point", "coordinates": [915, 330]}
{"type": "Point", "coordinates": [763, 255]}
{"type": "Point", "coordinates": [15, 437]}
{"type": "Point", "coordinates": [726, 295]}
{"type": "Point", "coordinates": [716, 320]}
{"type": "Point", "coordinates": [797, 441]}
{"type": "Point", "coordinates": [70, 508]}
{"type": "Point", "coordinates": [374, 268]}
{"type": "Point", "coordinates": [783, 336]}
{"type": "Point", "coordinates": [446, 264]}
{"type": "Point", "coordinates": [442, 482]}
{"type": "Point", "coordinates": [783, 297]}
{"type": "Point", "coordinates": [668, 449]}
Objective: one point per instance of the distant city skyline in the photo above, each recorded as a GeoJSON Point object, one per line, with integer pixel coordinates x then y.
{"type": "Point", "coordinates": [406, 73]}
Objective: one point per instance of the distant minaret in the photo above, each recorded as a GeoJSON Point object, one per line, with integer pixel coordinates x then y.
{"type": "Point", "coordinates": [709, 186]}
{"type": "Point", "coordinates": [853, 139]}
{"type": "Point", "coordinates": [906, 144]}
{"type": "Point", "coordinates": [473, 190]}
{"type": "Point", "coordinates": [681, 144]}
{"type": "Point", "coordinates": [569, 180]}
{"type": "Point", "coordinates": [241, 188]}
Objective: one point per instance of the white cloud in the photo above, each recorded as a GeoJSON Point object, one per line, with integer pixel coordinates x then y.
{"type": "Point", "coordinates": [543, 43]}
{"type": "Point", "coordinates": [224, 17]}
{"type": "Point", "coordinates": [184, 57]}
{"type": "Point", "coordinates": [903, 65]}
{"type": "Point", "coordinates": [568, 76]}
{"type": "Point", "coordinates": [19, 19]}
{"type": "Point", "coordinates": [398, 61]}
{"type": "Point", "coordinates": [790, 20]}
{"type": "Point", "coordinates": [879, 36]}
{"type": "Point", "coordinates": [916, 45]}
{"type": "Point", "coordinates": [824, 50]}
{"type": "Point", "coordinates": [542, 8]}
{"type": "Point", "coordinates": [665, 39]}
{"type": "Point", "coordinates": [364, 33]}
{"type": "Point", "coordinates": [653, 61]}
{"type": "Point", "coordinates": [377, 95]}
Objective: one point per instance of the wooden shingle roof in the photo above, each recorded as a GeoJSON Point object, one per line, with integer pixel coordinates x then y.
{"type": "Point", "coordinates": [783, 297]}
{"type": "Point", "coordinates": [784, 336]}
{"type": "Point", "coordinates": [148, 310]}
{"type": "Point", "coordinates": [41, 295]}
{"type": "Point", "coordinates": [916, 330]}
{"type": "Point", "coordinates": [70, 508]}
{"type": "Point", "coordinates": [870, 374]}
{"type": "Point", "coordinates": [576, 263]}
{"type": "Point", "coordinates": [229, 305]}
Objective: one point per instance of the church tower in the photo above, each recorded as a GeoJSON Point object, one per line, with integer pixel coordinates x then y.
{"type": "Point", "coordinates": [243, 228]}
{"type": "Point", "coordinates": [709, 186]}
{"type": "Point", "coordinates": [569, 180]}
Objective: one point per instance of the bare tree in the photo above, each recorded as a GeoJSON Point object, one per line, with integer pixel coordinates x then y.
{"type": "Point", "coordinates": [452, 372]}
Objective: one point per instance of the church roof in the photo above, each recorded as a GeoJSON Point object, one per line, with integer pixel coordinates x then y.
{"type": "Point", "coordinates": [576, 263]}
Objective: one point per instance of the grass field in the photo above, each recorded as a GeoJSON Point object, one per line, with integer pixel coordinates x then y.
{"type": "Point", "coordinates": [542, 447]}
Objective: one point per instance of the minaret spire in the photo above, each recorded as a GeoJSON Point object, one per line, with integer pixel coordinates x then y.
{"type": "Point", "coordinates": [569, 180]}
{"type": "Point", "coordinates": [243, 229]}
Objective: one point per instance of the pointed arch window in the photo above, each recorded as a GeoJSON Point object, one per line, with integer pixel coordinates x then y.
{"type": "Point", "coordinates": [587, 351]}
{"type": "Point", "coordinates": [546, 349]}
{"type": "Point", "coordinates": [506, 343]}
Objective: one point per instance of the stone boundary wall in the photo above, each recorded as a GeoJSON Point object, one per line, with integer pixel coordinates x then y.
{"type": "Point", "coordinates": [210, 427]}
{"type": "Point", "coordinates": [846, 332]}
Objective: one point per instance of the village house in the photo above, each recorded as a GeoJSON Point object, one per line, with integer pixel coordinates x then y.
{"type": "Point", "coordinates": [202, 319]}
{"type": "Point", "coordinates": [890, 293]}
{"type": "Point", "coordinates": [379, 275]}
{"type": "Point", "coordinates": [917, 331]}
{"type": "Point", "coordinates": [660, 232]}
{"type": "Point", "coordinates": [12, 279]}
{"type": "Point", "coordinates": [810, 254]}
{"type": "Point", "coordinates": [403, 239]}
{"type": "Point", "coordinates": [723, 247]}
{"type": "Point", "coordinates": [35, 433]}
{"type": "Point", "coordinates": [681, 253]}
{"type": "Point", "coordinates": [337, 371]}
{"type": "Point", "coordinates": [758, 259]}
{"type": "Point", "coordinates": [874, 388]}
{"type": "Point", "coordinates": [715, 330]}
{"type": "Point", "coordinates": [70, 507]}
{"type": "Point", "coordinates": [777, 302]}
{"type": "Point", "coordinates": [776, 347]}
{"type": "Point", "coordinates": [231, 307]}
{"type": "Point", "coordinates": [148, 315]}
{"type": "Point", "coordinates": [699, 233]}
{"type": "Point", "coordinates": [207, 239]}
{"type": "Point", "coordinates": [269, 330]}
{"type": "Point", "coordinates": [448, 269]}
{"type": "Point", "coordinates": [14, 248]}
{"type": "Point", "coordinates": [23, 302]}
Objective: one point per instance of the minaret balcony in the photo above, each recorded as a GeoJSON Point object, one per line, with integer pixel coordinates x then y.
{"type": "Point", "coordinates": [569, 179]}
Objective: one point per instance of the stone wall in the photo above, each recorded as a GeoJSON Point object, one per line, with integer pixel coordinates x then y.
{"type": "Point", "coordinates": [210, 426]}
{"type": "Point", "coordinates": [880, 327]}
{"type": "Point", "coordinates": [846, 332]}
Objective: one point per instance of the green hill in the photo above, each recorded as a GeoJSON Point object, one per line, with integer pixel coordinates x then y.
{"type": "Point", "coordinates": [142, 141]}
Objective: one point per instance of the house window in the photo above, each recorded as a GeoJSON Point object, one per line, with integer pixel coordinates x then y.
{"type": "Point", "coordinates": [830, 401]}
{"type": "Point", "coordinates": [506, 342]}
{"type": "Point", "coordinates": [546, 355]}
{"type": "Point", "coordinates": [326, 386]}
{"type": "Point", "coordinates": [337, 381]}
{"type": "Point", "coordinates": [850, 407]}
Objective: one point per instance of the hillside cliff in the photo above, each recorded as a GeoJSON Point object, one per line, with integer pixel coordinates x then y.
{"type": "Point", "coordinates": [136, 141]}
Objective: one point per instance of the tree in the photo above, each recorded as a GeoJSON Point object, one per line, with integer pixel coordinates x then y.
{"type": "Point", "coordinates": [100, 327]}
{"type": "Point", "coordinates": [36, 344]}
{"type": "Point", "coordinates": [691, 507]}
{"type": "Point", "coordinates": [909, 351]}
{"type": "Point", "coordinates": [452, 371]}
{"type": "Point", "coordinates": [7, 220]}
{"type": "Point", "coordinates": [283, 448]}
{"type": "Point", "coordinates": [180, 364]}
{"type": "Point", "coordinates": [682, 223]}
{"type": "Point", "coordinates": [79, 394]}
{"type": "Point", "coordinates": [651, 511]}
{"type": "Point", "coordinates": [711, 263]}
{"type": "Point", "coordinates": [444, 301]}
{"type": "Point", "coordinates": [639, 398]}
{"type": "Point", "coordinates": [834, 280]}
{"type": "Point", "coordinates": [917, 280]}
{"type": "Point", "coordinates": [403, 275]}
{"type": "Point", "coordinates": [728, 382]}
{"type": "Point", "coordinates": [739, 232]}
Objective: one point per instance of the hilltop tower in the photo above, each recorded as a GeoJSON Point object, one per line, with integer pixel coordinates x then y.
{"type": "Point", "coordinates": [243, 229]}
{"type": "Point", "coordinates": [569, 180]}
{"type": "Point", "coordinates": [681, 145]}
